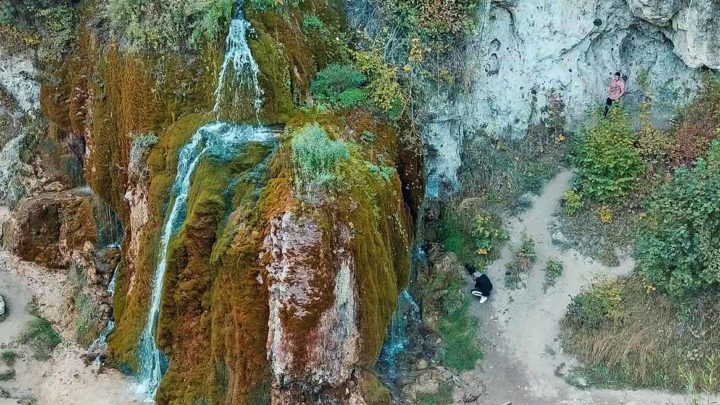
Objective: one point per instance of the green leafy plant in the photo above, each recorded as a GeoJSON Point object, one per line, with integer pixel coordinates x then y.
{"type": "Point", "coordinates": [339, 86]}
{"type": "Point", "coordinates": [163, 26]}
{"type": "Point", "coordinates": [8, 357]}
{"type": "Point", "coordinates": [608, 163]}
{"type": "Point", "coordinates": [59, 27]}
{"type": "Point", "coordinates": [312, 22]}
{"type": "Point", "coordinates": [553, 271]}
{"type": "Point", "coordinates": [41, 336]}
{"type": "Point", "coordinates": [315, 155]}
{"type": "Point", "coordinates": [572, 202]}
{"type": "Point", "coordinates": [677, 244]}
{"type": "Point", "coordinates": [383, 88]}
{"type": "Point", "coordinates": [601, 302]}
{"type": "Point", "coordinates": [487, 233]}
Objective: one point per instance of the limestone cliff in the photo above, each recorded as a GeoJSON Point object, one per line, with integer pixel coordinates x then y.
{"type": "Point", "coordinates": [530, 61]}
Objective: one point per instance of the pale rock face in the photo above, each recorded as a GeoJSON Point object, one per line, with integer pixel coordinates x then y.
{"type": "Point", "coordinates": [533, 51]}
{"type": "Point", "coordinates": [17, 77]}
{"type": "Point", "coordinates": [298, 275]}
{"type": "Point", "coordinates": [528, 54]}
{"type": "Point", "coordinates": [658, 12]}
{"type": "Point", "coordinates": [695, 32]}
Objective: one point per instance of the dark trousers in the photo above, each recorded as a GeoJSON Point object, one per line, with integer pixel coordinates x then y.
{"type": "Point", "coordinates": [608, 104]}
{"type": "Point", "coordinates": [483, 285]}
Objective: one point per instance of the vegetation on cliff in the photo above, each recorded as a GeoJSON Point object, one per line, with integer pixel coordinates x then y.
{"type": "Point", "coordinates": [613, 326]}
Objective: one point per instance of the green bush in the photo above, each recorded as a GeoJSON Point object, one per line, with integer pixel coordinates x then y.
{"type": "Point", "coordinates": [339, 86]}
{"type": "Point", "coordinates": [315, 155]}
{"type": "Point", "coordinates": [678, 243]}
{"type": "Point", "coordinates": [600, 303]}
{"type": "Point", "coordinates": [162, 25]}
{"type": "Point", "coordinates": [59, 30]}
{"type": "Point", "coordinates": [553, 271]}
{"type": "Point", "coordinates": [8, 357]}
{"type": "Point", "coordinates": [473, 240]}
{"type": "Point", "coordinates": [312, 22]}
{"type": "Point", "coordinates": [608, 163]}
{"type": "Point", "coordinates": [40, 335]}
{"type": "Point", "coordinates": [572, 203]}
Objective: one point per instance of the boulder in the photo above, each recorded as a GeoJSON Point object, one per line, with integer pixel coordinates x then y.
{"type": "Point", "coordinates": [658, 12]}
{"type": "Point", "coordinates": [46, 229]}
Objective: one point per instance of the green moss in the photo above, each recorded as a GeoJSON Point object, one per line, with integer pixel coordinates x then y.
{"type": "Point", "coordinates": [220, 235]}
{"type": "Point", "coordinates": [162, 164]}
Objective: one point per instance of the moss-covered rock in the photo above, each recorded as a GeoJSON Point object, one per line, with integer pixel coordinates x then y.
{"type": "Point", "coordinates": [230, 331]}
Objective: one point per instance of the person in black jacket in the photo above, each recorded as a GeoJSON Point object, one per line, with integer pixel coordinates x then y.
{"type": "Point", "coordinates": [483, 285]}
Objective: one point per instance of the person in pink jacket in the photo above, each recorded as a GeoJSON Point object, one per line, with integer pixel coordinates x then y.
{"type": "Point", "coordinates": [617, 90]}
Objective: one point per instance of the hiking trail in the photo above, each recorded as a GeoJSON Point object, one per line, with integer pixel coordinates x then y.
{"type": "Point", "coordinates": [521, 327]}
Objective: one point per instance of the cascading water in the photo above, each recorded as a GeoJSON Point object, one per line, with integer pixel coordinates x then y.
{"type": "Point", "coordinates": [217, 140]}
{"type": "Point", "coordinates": [240, 59]}
{"type": "Point", "coordinates": [100, 344]}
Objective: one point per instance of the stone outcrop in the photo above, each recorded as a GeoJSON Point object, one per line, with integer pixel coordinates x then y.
{"type": "Point", "coordinates": [18, 77]}
{"type": "Point", "coordinates": [526, 53]}
{"type": "Point", "coordinates": [48, 228]}
{"type": "Point", "coordinates": [529, 62]}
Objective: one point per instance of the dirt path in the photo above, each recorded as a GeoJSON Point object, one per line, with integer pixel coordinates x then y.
{"type": "Point", "coordinates": [522, 326]}
{"type": "Point", "coordinates": [63, 379]}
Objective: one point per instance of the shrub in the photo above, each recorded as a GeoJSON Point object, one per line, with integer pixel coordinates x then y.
{"type": "Point", "coordinates": [521, 264]}
{"type": "Point", "coordinates": [487, 233]}
{"type": "Point", "coordinates": [677, 244]}
{"type": "Point", "coordinates": [605, 214]}
{"type": "Point", "coordinates": [167, 25]}
{"type": "Point", "coordinates": [572, 203]}
{"type": "Point", "coordinates": [553, 271]}
{"type": "Point", "coordinates": [40, 335]}
{"type": "Point", "coordinates": [698, 123]}
{"type": "Point", "coordinates": [654, 145]}
{"type": "Point", "coordinates": [339, 85]}
{"type": "Point", "coordinates": [597, 304]}
{"type": "Point", "coordinates": [473, 240]}
{"type": "Point", "coordinates": [59, 28]}
{"type": "Point", "coordinates": [8, 357]}
{"type": "Point", "coordinates": [312, 22]}
{"type": "Point", "coordinates": [608, 163]}
{"type": "Point", "coordinates": [315, 155]}
{"type": "Point", "coordinates": [383, 88]}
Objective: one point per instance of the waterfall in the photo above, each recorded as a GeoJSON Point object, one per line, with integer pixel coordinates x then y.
{"type": "Point", "coordinates": [406, 314]}
{"type": "Point", "coordinates": [237, 55]}
{"type": "Point", "coordinates": [100, 344]}
{"type": "Point", "coordinates": [218, 140]}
